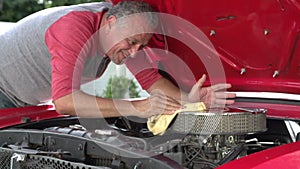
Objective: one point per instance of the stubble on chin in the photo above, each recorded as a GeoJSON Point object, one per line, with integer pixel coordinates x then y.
{"type": "Point", "coordinates": [116, 60]}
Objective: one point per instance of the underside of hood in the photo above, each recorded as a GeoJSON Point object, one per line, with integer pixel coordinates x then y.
{"type": "Point", "coordinates": [256, 41]}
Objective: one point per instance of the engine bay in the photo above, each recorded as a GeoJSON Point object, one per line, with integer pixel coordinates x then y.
{"type": "Point", "coordinates": [124, 143]}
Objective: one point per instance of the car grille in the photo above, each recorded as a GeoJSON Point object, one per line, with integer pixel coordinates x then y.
{"type": "Point", "coordinates": [12, 160]}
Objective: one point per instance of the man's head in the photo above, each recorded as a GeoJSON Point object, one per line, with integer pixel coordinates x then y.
{"type": "Point", "coordinates": [130, 25]}
{"type": "Point", "coordinates": [129, 8]}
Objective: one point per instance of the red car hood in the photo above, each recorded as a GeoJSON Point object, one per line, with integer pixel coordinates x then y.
{"type": "Point", "coordinates": [257, 41]}
{"type": "Point", "coordinates": [14, 116]}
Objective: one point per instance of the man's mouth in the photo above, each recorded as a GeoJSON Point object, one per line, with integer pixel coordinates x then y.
{"type": "Point", "coordinates": [125, 57]}
{"type": "Point", "coordinates": [125, 54]}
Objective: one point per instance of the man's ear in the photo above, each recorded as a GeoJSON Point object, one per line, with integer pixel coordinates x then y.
{"type": "Point", "coordinates": [111, 20]}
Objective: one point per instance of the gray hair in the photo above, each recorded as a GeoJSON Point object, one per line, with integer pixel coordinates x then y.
{"type": "Point", "coordinates": [129, 7]}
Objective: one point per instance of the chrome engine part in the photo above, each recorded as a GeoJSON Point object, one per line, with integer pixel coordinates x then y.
{"type": "Point", "coordinates": [216, 122]}
{"type": "Point", "coordinates": [214, 137]}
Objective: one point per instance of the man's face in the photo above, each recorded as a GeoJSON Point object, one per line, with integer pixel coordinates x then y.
{"type": "Point", "coordinates": [123, 38]}
{"type": "Point", "coordinates": [128, 47]}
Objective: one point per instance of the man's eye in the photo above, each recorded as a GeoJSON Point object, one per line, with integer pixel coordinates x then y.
{"type": "Point", "coordinates": [132, 42]}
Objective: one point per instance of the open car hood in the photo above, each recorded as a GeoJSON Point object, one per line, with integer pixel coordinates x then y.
{"type": "Point", "coordinates": [257, 41]}
{"type": "Point", "coordinates": [257, 45]}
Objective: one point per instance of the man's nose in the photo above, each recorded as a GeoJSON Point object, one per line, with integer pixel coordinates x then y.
{"type": "Point", "coordinates": [134, 48]}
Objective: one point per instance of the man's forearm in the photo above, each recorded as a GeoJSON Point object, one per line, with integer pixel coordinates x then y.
{"type": "Point", "coordinates": [84, 105]}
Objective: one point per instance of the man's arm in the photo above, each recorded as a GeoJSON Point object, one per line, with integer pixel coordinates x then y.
{"type": "Point", "coordinates": [84, 105]}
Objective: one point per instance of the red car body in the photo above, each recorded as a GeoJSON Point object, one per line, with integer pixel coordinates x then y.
{"type": "Point", "coordinates": [258, 45]}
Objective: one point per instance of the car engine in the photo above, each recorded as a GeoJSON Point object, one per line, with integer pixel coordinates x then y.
{"type": "Point", "coordinates": [194, 140]}
{"type": "Point", "coordinates": [214, 137]}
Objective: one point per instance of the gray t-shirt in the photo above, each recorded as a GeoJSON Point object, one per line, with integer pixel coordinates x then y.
{"type": "Point", "coordinates": [25, 69]}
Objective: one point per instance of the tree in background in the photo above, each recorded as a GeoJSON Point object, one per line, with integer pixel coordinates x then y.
{"type": "Point", "coordinates": [121, 87]}
{"type": "Point", "coordinates": [14, 10]}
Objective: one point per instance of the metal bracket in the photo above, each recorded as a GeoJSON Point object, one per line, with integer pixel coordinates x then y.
{"type": "Point", "coordinates": [16, 158]}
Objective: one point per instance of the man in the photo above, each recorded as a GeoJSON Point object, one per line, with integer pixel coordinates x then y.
{"type": "Point", "coordinates": [48, 55]}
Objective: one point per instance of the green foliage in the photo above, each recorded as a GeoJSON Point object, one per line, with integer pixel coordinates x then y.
{"type": "Point", "coordinates": [67, 2]}
{"type": "Point", "coordinates": [14, 10]}
{"type": "Point", "coordinates": [119, 86]}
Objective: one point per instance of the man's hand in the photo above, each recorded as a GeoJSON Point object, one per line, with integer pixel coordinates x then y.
{"type": "Point", "coordinates": [212, 96]}
{"type": "Point", "coordinates": [157, 103]}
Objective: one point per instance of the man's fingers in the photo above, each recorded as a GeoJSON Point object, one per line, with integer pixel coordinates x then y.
{"type": "Point", "coordinates": [221, 86]}
{"type": "Point", "coordinates": [172, 104]}
{"type": "Point", "coordinates": [223, 102]}
{"type": "Point", "coordinates": [224, 95]}
{"type": "Point", "coordinates": [201, 81]}
{"type": "Point", "coordinates": [168, 99]}
{"type": "Point", "coordinates": [165, 103]}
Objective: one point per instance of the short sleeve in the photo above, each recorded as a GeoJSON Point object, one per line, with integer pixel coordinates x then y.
{"type": "Point", "coordinates": [66, 40]}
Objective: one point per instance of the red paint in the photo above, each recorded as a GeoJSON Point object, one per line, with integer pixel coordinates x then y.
{"type": "Point", "coordinates": [285, 111]}
{"type": "Point", "coordinates": [14, 116]}
{"type": "Point", "coordinates": [283, 157]}
{"type": "Point", "coordinates": [260, 36]}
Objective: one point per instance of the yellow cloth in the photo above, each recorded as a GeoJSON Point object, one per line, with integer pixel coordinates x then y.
{"type": "Point", "coordinates": [158, 124]}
